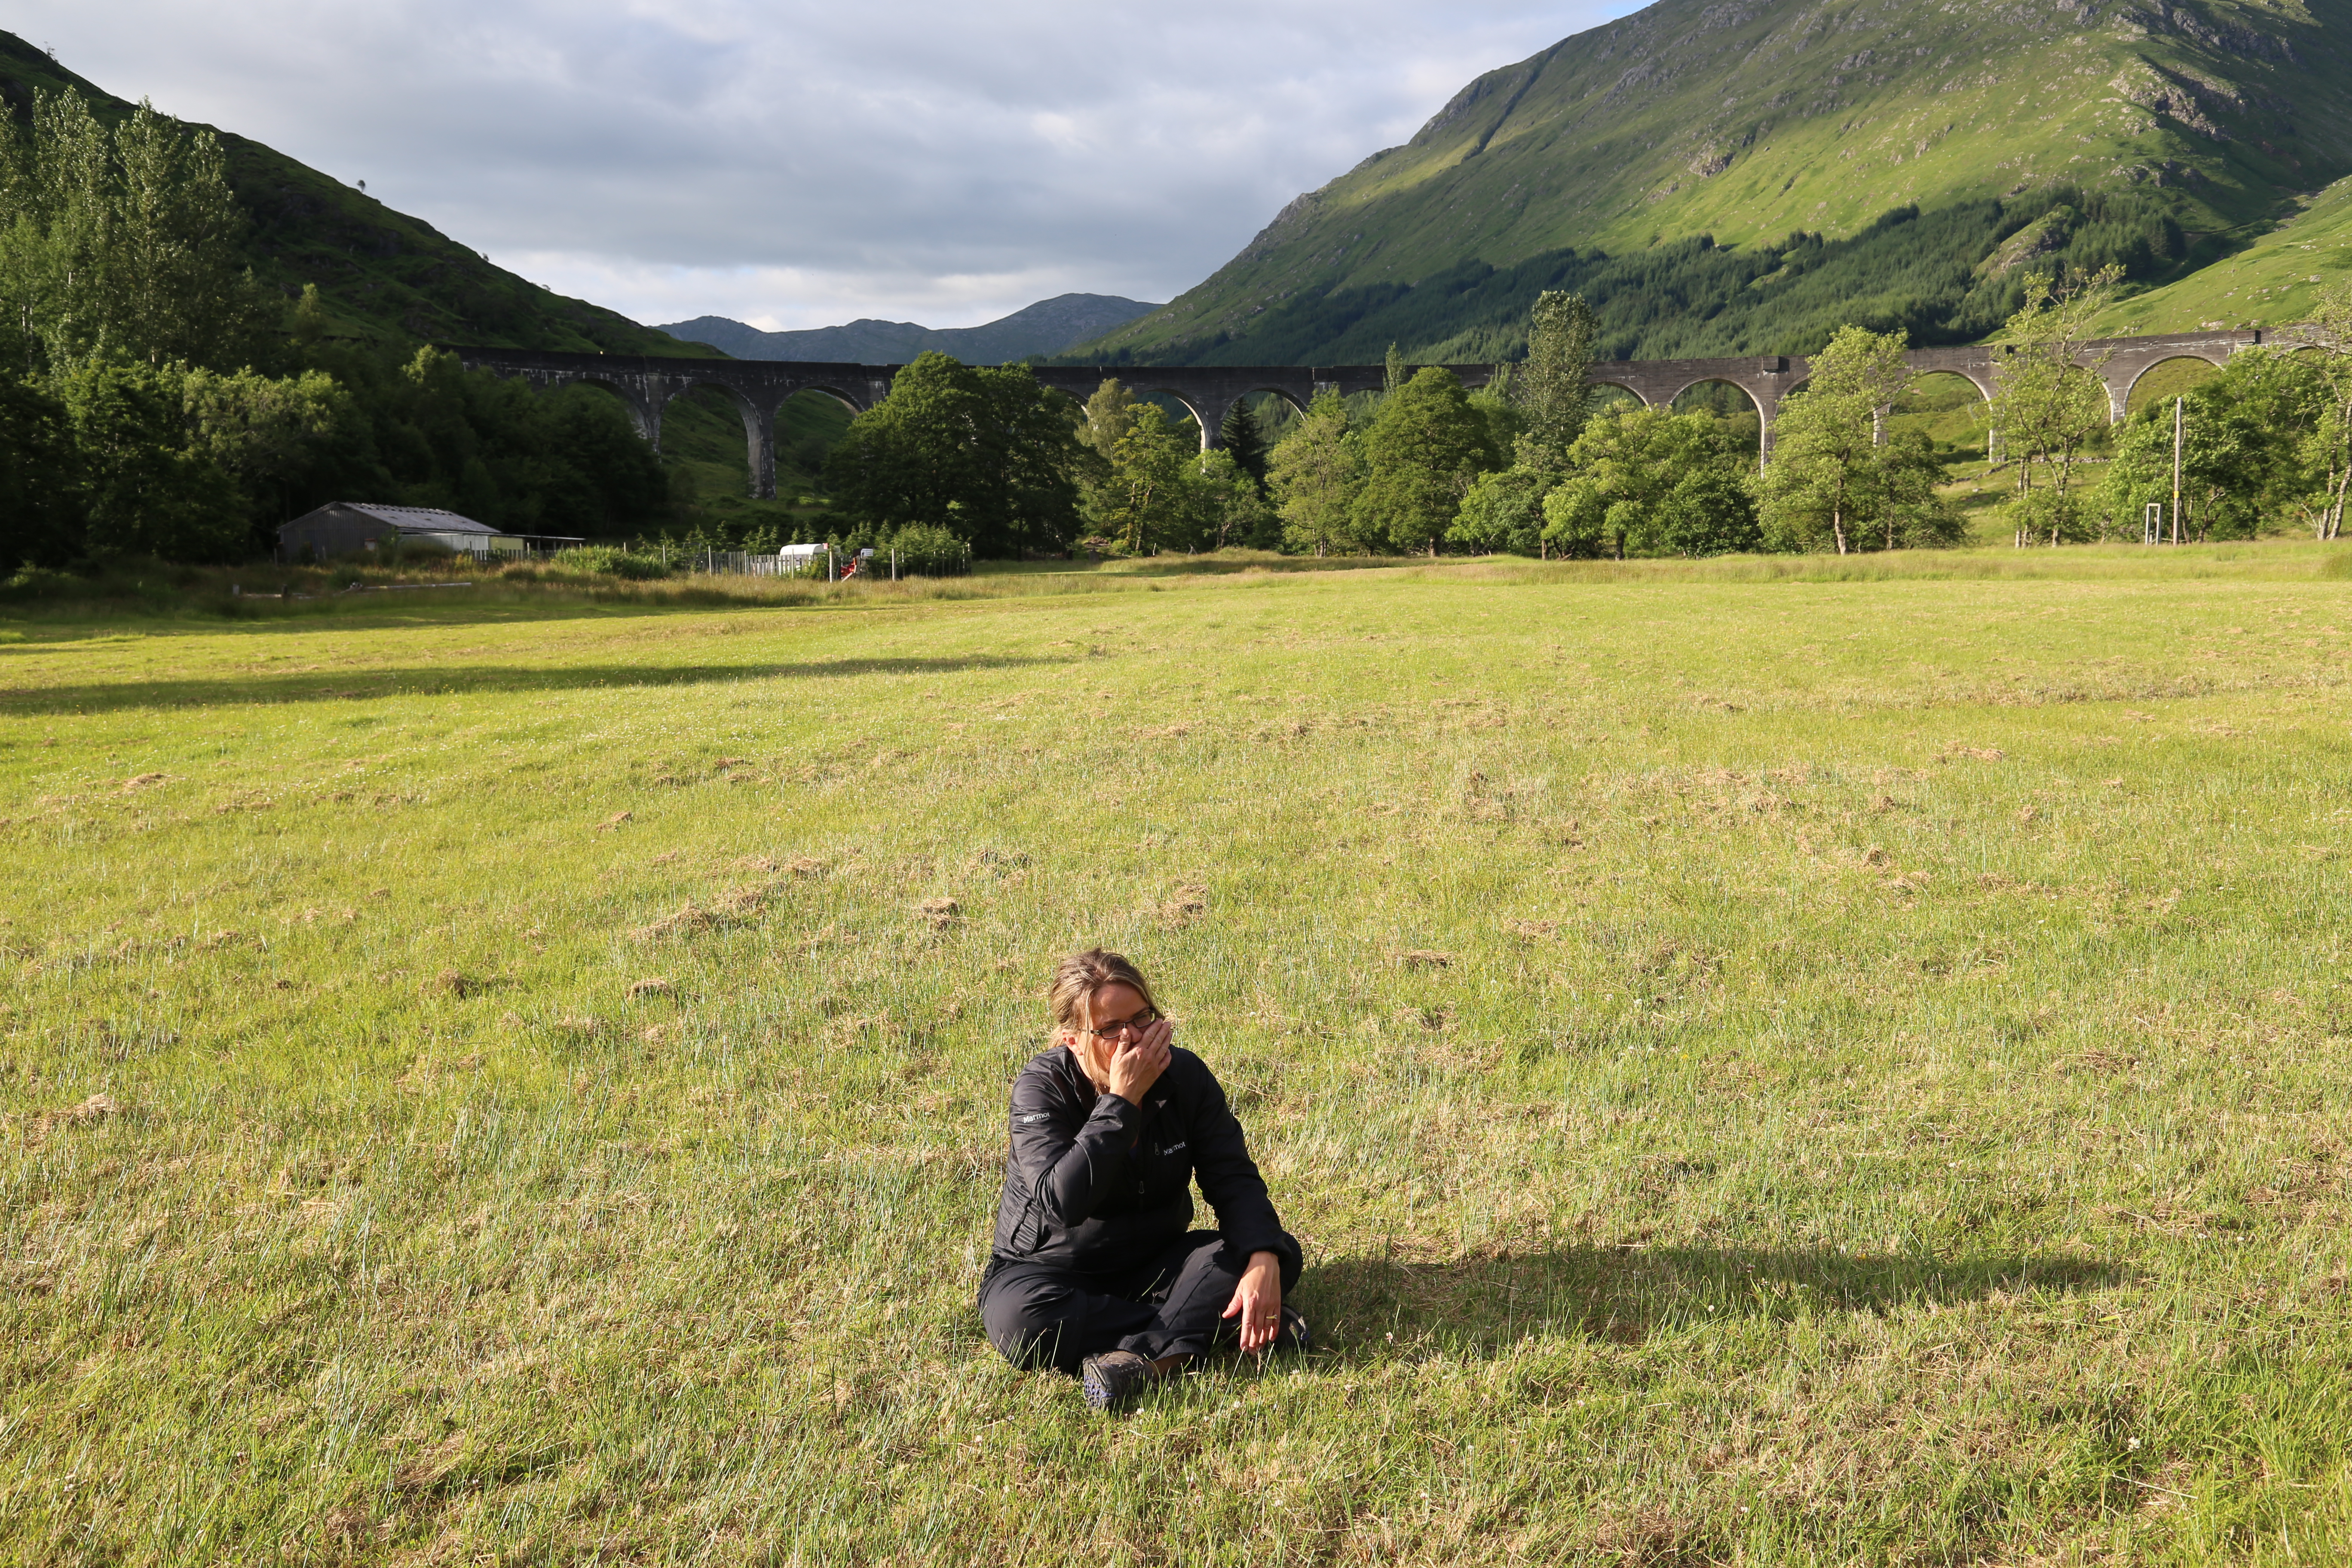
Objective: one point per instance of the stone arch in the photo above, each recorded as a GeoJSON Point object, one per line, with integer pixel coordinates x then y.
{"type": "Point", "coordinates": [1607, 383]}
{"type": "Point", "coordinates": [800, 438]}
{"type": "Point", "coordinates": [847, 400]}
{"type": "Point", "coordinates": [758, 426]}
{"type": "Point", "coordinates": [643, 417]}
{"type": "Point", "coordinates": [1289, 396]}
{"type": "Point", "coordinates": [1935, 410]}
{"type": "Point", "coordinates": [1750, 406]}
{"type": "Point", "coordinates": [1193, 403]}
{"type": "Point", "coordinates": [2141, 374]}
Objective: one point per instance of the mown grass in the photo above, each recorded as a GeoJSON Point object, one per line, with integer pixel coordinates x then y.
{"type": "Point", "coordinates": [1766, 1070]}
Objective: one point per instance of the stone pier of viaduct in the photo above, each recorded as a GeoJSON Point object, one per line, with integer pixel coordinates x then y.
{"type": "Point", "coordinates": [759, 388]}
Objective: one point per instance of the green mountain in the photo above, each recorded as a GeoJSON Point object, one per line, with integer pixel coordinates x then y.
{"type": "Point", "coordinates": [1730, 177]}
{"type": "Point", "coordinates": [382, 275]}
{"type": "Point", "coordinates": [2274, 281]}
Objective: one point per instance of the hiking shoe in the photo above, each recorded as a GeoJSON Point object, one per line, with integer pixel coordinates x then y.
{"type": "Point", "coordinates": [1114, 1377]}
{"type": "Point", "coordinates": [1294, 1334]}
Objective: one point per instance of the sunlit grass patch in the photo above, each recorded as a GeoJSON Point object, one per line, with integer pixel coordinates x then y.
{"type": "Point", "coordinates": [1767, 1070]}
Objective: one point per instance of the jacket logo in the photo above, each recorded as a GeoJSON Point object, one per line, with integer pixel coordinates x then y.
{"type": "Point", "coordinates": [1032, 1118]}
{"type": "Point", "coordinates": [1173, 1149]}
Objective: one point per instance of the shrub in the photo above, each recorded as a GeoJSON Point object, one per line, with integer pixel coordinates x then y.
{"type": "Point", "coordinates": [609, 561]}
{"type": "Point", "coordinates": [924, 549]}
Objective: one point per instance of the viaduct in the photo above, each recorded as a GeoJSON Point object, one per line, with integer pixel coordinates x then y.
{"type": "Point", "coordinates": [759, 388]}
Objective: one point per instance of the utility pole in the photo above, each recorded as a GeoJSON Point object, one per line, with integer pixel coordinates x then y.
{"type": "Point", "coordinates": [2176, 469]}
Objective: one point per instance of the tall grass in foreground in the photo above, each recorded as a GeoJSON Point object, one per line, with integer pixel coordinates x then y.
{"type": "Point", "coordinates": [1766, 1072]}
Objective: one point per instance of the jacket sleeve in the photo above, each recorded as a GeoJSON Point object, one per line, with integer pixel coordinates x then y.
{"type": "Point", "coordinates": [1068, 1174]}
{"type": "Point", "coordinates": [1229, 1179]}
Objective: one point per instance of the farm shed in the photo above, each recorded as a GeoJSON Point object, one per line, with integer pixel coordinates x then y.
{"type": "Point", "coordinates": [357, 528]}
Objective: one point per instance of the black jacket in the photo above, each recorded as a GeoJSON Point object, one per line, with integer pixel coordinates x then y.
{"type": "Point", "coordinates": [1096, 1186]}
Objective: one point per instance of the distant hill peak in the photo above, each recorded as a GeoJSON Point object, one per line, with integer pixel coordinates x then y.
{"type": "Point", "coordinates": [1047, 327]}
{"type": "Point", "coordinates": [1739, 123]}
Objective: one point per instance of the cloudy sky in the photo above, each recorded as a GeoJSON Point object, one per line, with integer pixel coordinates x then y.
{"type": "Point", "coordinates": [793, 164]}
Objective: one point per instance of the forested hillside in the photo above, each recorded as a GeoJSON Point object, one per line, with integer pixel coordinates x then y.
{"type": "Point", "coordinates": [382, 276]}
{"type": "Point", "coordinates": [1713, 174]}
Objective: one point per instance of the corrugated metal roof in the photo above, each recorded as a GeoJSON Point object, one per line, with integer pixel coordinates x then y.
{"type": "Point", "coordinates": [422, 519]}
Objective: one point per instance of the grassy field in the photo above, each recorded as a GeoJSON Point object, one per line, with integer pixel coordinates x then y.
{"type": "Point", "coordinates": [1768, 1068]}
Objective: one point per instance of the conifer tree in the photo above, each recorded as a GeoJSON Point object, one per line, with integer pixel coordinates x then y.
{"type": "Point", "coordinates": [1550, 389]}
{"type": "Point", "coordinates": [1238, 434]}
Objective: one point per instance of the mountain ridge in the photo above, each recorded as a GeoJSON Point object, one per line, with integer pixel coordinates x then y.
{"type": "Point", "coordinates": [1742, 121]}
{"type": "Point", "coordinates": [1047, 327]}
{"type": "Point", "coordinates": [381, 274]}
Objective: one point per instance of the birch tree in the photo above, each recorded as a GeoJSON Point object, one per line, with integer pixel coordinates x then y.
{"type": "Point", "coordinates": [2328, 447]}
{"type": "Point", "coordinates": [2048, 402]}
{"type": "Point", "coordinates": [1828, 479]}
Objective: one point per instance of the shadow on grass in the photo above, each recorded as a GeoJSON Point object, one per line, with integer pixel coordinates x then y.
{"type": "Point", "coordinates": [1625, 1295]}
{"type": "Point", "coordinates": [358, 684]}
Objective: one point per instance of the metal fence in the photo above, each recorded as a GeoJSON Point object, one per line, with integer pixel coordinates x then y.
{"type": "Point", "coordinates": [735, 562]}
{"type": "Point", "coordinates": [823, 566]}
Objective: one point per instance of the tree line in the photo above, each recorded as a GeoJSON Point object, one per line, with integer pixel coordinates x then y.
{"type": "Point", "coordinates": [1528, 463]}
{"type": "Point", "coordinates": [155, 402]}
{"type": "Point", "coordinates": [1534, 464]}
{"type": "Point", "coordinates": [2267, 438]}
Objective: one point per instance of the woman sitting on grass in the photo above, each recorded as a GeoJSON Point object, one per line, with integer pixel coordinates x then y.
{"type": "Point", "coordinates": [1093, 1270]}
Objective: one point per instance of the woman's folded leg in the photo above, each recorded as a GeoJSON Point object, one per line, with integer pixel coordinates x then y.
{"type": "Point", "coordinates": [1192, 1284]}
{"type": "Point", "coordinates": [1041, 1317]}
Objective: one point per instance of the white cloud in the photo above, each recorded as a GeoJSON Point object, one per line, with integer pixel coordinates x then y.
{"type": "Point", "coordinates": [796, 163]}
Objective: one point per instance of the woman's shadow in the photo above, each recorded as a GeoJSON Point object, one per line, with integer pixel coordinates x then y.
{"type": "Point", "coordinates": [1625, 1294]}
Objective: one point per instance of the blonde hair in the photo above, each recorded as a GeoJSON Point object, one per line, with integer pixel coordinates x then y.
{"type": "Point", "coordinates": [1077, 977]}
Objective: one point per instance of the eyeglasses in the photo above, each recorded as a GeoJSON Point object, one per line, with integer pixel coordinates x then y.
{"type": "Point", "coordinates": [1135, 1026]}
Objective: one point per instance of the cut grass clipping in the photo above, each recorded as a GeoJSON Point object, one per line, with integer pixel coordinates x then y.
{"type": "Point", "coordinates": [1764, 1071]}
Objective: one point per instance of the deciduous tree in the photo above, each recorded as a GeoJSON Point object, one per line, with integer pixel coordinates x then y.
{"type": "Point", "coordinates": [982, 452]}
{"type": "Point", "coordinates": [2327, 446]}
{"type": "Point", "coordinates": [1228, 506]}
{"type": "Point", "coordinates": [2246, 449]}
{"type": "Point", "coordinates": [40, 498]}
{"type": "Point", "coordinates": [1145, 503]}
{"type": "Point", "coordinates": [1424, 449]}
{"type": "Point", "coordinates": [145, 491]}
{"type": "Point", "coordinates": [1504, 512]}
{"type": "Point", "coordinates": [1315, 474]}
{"type": "Point", "coordinates": [1831, 483]}
{"type": "Point", "coordinates": [121, 241]}
{"type": "Point", "coordinates": [1649, 481]}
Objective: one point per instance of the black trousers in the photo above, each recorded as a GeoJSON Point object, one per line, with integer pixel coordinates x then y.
{"type": "Point", "coordinates": [1040, 1315]}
